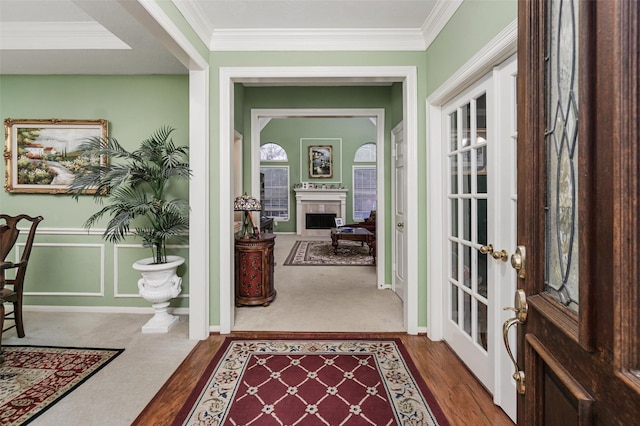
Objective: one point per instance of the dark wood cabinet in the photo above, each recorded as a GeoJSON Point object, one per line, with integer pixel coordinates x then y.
{"type": "Point", "coordinates": [254, 270]}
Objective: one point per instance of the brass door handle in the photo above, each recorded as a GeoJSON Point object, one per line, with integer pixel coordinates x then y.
{"type": "Point", "coordinates": [497, 255]}
{"type": "Point", "coordinates": [400, 225]}
{"type": "Point", "coordinates": [521, 309]}
{"type": "Point", "coordinates": [486, 249]}
{"type": "Point", "coordinates": [500, 255]}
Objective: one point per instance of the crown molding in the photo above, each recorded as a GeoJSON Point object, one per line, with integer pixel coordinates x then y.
{"type": "Point", "coordinates": [195, 16]}
{"type": "Point", "coordinates": [438, 18]}
{"type": "Point", "coordinates": [302, 39]}
{"type": "Point", "coordinates": [57, 36]}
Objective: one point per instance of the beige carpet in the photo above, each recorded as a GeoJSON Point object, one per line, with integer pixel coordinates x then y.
{"type": "Point", "coordinates": [115, 395]}
{"type": "Point", "coordinates": [322, 298]}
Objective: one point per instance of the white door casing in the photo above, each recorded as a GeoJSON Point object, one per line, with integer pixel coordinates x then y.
{"type": "Point", "coordinates": [492, 367]}
{"type": "Point", "coordinates": [259, 116]}
{"type": "Point", "coordinates": [407, 75]}
{"type": "Point", "coordinates": [495, 52]}
{"type": "Point", "coordinates": [398, 195]}
{"type": "Point", "coordinates": [506, 234]}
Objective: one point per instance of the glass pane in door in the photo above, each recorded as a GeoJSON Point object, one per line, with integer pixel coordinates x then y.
{"type": "Point", "coordinates": [468, 201]}
{"type": "Point", "coordinates": [561, 74]}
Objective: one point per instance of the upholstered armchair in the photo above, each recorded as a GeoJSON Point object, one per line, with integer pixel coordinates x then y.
{"type": "Point", "coordinates": [368, 224]}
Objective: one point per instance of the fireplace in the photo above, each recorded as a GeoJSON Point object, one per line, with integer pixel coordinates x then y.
{"type": "Point", "coordinates": [321, 206]}
{"type": "Point", "coordinates": [320, 220]}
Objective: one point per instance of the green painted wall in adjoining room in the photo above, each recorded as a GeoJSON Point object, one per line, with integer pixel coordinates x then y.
{"type": "Point", "coordinates": [337, 97]}
{"type": "Point", "coordinates": [397, 112]}
{"type": "Point", "coordinates": [345, 135]}
{"type": "Point", "coordinates": [70, 267]}
{"type": "Point", "coordinates": [363, 97]}
{"type": "Point", "coordinates": [238, 107]}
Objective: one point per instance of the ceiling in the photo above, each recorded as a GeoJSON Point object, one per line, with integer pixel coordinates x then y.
{"type": "Point", "coordinates": [126, 36]}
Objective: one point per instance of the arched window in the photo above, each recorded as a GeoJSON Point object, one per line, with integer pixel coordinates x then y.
{"type": "Point", "coordinates": [272, 152]}
{"type": "Point", "coordinates": [274, 182]}
{"type": "Point", "coordinates": [365, 154]}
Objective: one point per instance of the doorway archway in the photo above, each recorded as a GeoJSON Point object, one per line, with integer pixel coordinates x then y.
{"type": "Point", "coordinates": [297, 75]}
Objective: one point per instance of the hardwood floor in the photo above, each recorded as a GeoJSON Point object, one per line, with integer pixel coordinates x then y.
{"type": "Point", "coordinates": [462, 398]}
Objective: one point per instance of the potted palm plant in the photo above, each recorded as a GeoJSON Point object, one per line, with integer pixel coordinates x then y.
{"type": "Point", "coordinates": [132, 188]}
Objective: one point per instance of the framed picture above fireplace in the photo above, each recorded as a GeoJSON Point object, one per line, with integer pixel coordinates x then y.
{"type": "Point", "coordinates": [320, 161]}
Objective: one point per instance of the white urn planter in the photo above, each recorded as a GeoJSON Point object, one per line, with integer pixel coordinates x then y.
{"type": "Point", "coordinates": [158, 285]}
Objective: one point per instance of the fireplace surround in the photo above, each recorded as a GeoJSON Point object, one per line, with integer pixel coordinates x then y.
{"type": "Point", "coordinates": [318, 201]}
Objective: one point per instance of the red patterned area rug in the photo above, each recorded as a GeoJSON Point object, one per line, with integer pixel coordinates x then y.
{"type": "Point", "coordinates": [311, 382]}
{"type": "Point", "coordinates": [33, 378]}
{"type": "Point", "coordinates": [320, 253]}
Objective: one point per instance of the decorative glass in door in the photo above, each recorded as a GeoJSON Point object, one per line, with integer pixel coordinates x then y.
{"type": "Point", "coordinates": [468, 200]}
{"type": "Point", "coordinates": [561, 76]}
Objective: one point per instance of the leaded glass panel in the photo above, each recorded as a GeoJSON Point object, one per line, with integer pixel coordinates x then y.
{"type": "Point", "coordinates": [561, 96]}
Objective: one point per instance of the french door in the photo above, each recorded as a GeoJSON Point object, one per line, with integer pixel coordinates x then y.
{"type": "Point", "coordinates": [578, 213]}
{"type": "Point", "coordinates": [480, 140]}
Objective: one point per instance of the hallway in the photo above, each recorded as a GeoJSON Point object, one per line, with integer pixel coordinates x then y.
{"type": "Point", "coordinates": [322, 299]}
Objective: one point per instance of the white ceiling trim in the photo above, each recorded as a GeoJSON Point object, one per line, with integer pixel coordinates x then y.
{"type": "Point", "coordinates": [187, 53]}
{"type": "Point", "coordinates": [302, 39]}
{"type": "Point", "coordinates": [438, 18]}
{"type": "Point", "coordinates": [196, 17]}
{"type": "Point", "coordinates": [318, 39]}
{"type": "Point", "coordinates": [58, 36]}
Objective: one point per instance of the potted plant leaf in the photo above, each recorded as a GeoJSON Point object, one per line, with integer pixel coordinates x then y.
{"type": "Point", "coordinates": [132, 188]}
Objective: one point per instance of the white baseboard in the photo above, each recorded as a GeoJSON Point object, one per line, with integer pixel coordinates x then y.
{"type": "Point", "coordinates": [101, 309]}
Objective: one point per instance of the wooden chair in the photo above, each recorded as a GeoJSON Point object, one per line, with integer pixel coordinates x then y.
{"type": "Point", "coordinates": [8, 236]}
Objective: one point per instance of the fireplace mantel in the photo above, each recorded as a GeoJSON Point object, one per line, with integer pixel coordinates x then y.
{"type": "Point", "coordinates": [316, 200]}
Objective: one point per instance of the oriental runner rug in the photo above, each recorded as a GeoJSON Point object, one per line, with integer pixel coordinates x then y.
{"type": "Point", "coordinates": [311, 382]}
{"type": "Point", "coordinates": [320, 253]}
{"type": "Point", "coordinates": [33, 378]}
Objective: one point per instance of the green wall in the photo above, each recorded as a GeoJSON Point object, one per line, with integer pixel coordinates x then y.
{"type": "Point", "coordinates": [362, 97]}
{"type": "Point", "coordinates": [70, 267]}
{"type": "Point", "coordinates": [473, 25]}
{"type": "Point", "coordinates": [288, 132]}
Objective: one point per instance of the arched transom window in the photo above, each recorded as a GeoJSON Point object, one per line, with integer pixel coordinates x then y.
{"type": "Point", "coordinates": [366, 153]}
{"type": "Point", "coordinates": [272, 152]}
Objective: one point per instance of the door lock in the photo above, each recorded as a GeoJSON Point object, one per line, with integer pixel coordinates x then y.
{"type": "Point", "coordinates": [518, 261]}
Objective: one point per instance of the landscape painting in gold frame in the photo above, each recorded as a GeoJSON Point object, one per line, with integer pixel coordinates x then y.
{"type": "Point", "coordinates": [42, 155]}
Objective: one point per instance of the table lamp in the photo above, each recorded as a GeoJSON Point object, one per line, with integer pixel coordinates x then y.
{"type": "Point", "coordinates": [247, 204]}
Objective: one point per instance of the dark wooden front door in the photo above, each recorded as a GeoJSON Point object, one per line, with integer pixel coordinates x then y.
{"type": "Point", "coordinates": [578, 211]}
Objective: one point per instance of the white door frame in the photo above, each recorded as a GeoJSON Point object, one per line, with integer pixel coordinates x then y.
{"type": "Point", "coordinates": [493, 54]}
{"type": "Point", "coordinates": [258, 115]}
{"type": "Point", "coordinates": [230, 75]}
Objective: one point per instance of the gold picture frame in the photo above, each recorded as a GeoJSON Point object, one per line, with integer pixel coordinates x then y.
{"type": "Point", "coordinates": [41, 155]}
{"type": "Point", "coordinates": [320, 161]}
